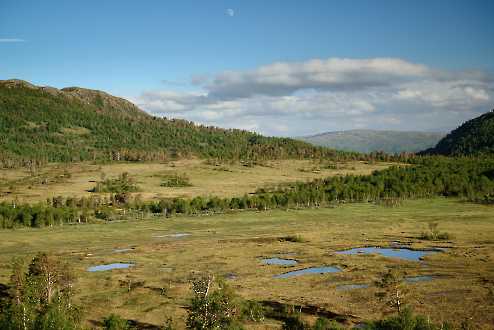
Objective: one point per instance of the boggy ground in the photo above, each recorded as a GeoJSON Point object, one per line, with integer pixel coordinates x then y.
{"type": "Point", "coordinates": [223, 180]}
{"type": "Point", "coordinates": [232, 246]}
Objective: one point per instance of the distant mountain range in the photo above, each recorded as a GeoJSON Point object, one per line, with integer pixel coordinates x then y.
{"type": "Point", "coordinates": [365, 140]}
{"type": "Point", "coordinates": [474, 137]}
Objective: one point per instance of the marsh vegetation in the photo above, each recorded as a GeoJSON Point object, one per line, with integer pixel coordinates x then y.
{"type": "Point", "coordinates": [232, 243]}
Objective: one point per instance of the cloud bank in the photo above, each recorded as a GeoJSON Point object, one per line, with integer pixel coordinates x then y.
{"type": "Point", "coordinates": [299, 98]}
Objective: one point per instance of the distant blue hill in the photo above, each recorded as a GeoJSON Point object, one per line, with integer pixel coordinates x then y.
{"type": "Point", "coordinates": [366, 140]}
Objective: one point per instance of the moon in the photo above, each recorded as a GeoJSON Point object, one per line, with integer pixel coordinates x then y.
{"type": "Point", "coordinates": [230, 12]}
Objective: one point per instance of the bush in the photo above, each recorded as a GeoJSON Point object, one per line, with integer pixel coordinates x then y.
{"type": "Point", "coordinates": [175, 180]}
{"type": "Point", "coordinates": [390, 202]}
{"type": "Point", "coordinates": [115, 322]}
{"type": "Point", "coordinates": [405, 320]}
{"type": "Point", "coordinates": [325, 324]}
{"type": "Point", "coordinates": [122, 184]}
{"type": "Point", "coordinates": [294, 322]}
{"type": "Point", "coordinates": [434, 233]}
{"type": "Point", "coordinates": [293, 238]}
{"type": "Point", "coordinates": [253, 311]}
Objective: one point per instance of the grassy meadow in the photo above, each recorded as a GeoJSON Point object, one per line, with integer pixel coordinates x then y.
{"type": "Point", "coordinates": [222, 180]}
{"type": "Point", "coordinates": [232, 246]}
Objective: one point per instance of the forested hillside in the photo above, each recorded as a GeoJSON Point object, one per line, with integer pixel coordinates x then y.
{"type": "Point", "coordinates": [75, 124]}
{"type": "Point", "coordinates": [367, 140]}
{"type": "Point", "coordinates": [476, 136]}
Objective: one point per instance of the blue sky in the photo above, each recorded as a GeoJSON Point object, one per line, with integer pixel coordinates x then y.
{"type": "Point", "coordinates": [170, 57]}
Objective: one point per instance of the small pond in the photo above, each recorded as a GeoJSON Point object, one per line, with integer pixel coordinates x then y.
{"type": "Point", "coordinates": [231, 276]}
{"type": "Point", "coordinates": [415, 279]}
{"type": "Point", "coordinates": [177, 235]}
{"type": "Point", "coordinates": [122, 250]}
{"type": "Point", "coordinates": [400, 253]}
{"type": "Point", "coordinates": [101, 268]}
{"type": "Point", "coordinates": [311, 270]}
{"type": "Point", "coordinates": [279, 261]}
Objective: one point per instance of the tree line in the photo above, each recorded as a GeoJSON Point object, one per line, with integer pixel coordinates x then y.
{"type": "Point", "coordinates": [425, 177]}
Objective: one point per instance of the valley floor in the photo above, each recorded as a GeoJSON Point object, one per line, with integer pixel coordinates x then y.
{"type": "Point", "coordinates": [233, 246]}
{"type": "Point", "coordinates": [222, 180]}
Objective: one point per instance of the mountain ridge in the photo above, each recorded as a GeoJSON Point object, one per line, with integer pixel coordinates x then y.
{"type": "Point", "coordinates": [369, 140]}
{"type": "Point", "coordinates": [77, 124]}
{"type": "Point", "coordinates": [83, 94]}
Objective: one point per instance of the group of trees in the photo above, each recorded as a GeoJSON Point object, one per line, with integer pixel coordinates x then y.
{"type": "Point", "coordinates": [40, 296]}
{"type": "Point", "coordinates": [40, 215]}
{"type": "Point", "coordinates": [429, 177]}
{"type": "Point", "coordinates": [469, 178]}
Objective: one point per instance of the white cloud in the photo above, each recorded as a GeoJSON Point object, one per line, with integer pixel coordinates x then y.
{"type": "Point", "coordinates": [331, 74]}
{"type": "Point", "coordinates": [230, 12]}
{"type": "Point", "coordinates": [287, 98]}
{"type": "Point", "coordinates": [11, 40]}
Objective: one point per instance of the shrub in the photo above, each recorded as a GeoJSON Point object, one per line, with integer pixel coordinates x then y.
{"type": "Point", "coordinates": [292, 238]}
{"type": "Point", "coordinates": [325, 324]}
{"type": "Point", "coordinates": [253, 311]}
{"type": "Point", "coordinates": [294, 322]}
{"type": "Point", "coordinates": [405, 320]}
{"type": "Point", "coordinates": [390, 202]}
{"type": "Point", "coordinates": [122, 184]}
{"type": "Point", "coordinates": [434, 233]}
{"type": "Point", "coordinates": [176, 180]}
{"type": "Point", "coordinates": [115, 322]}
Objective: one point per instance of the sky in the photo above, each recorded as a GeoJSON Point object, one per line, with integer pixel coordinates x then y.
{"type": "Point", "coordinates": [284, 68]}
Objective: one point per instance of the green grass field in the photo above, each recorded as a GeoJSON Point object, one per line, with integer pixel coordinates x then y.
{"type": "Point", "coordinates": [235, 243]}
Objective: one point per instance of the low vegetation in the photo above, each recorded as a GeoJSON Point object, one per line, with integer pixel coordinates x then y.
{"type": "Point", "coordinates": [433, 233]}
{"type": "Point", "coordinates": [407, 320]}
{"type": "Point", "coordinates": [233, 243]}
{"type": "Point", "coordinates": [293, 238]}
{"type": "Point", "coordinates": [41, 297]}
{"type": "Point", "coordinates": [115, 322]}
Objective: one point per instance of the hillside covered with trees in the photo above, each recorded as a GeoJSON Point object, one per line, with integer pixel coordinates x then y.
{"type": "Point", "coordinates": [76, 124]}
{"type": "Point", "coordinates": [476, 136]}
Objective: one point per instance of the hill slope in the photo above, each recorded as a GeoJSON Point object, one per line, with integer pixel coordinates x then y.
{"type": "Point", "coordinates": [374, 140]}
{"type": "Point", "coordinates": [74, 124]}
{"type": "Point", "coordinates": [476, 136]}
